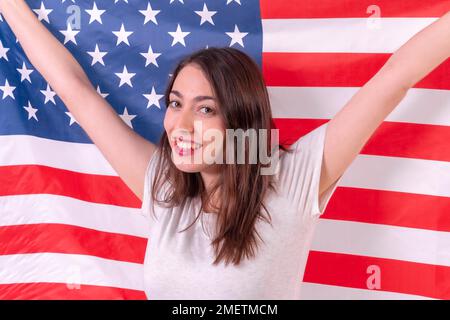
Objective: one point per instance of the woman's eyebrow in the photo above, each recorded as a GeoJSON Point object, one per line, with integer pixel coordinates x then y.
{"type": "Point", "coordinates": [196, 99]}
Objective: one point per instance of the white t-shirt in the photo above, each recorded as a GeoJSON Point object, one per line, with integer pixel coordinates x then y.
{"type": "Point", "coordinates": [178, 265]}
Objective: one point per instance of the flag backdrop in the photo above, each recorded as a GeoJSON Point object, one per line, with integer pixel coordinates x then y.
{"type": "Point", "coordinates": [71, 229]}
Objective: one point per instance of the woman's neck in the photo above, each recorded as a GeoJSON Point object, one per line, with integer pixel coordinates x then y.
{"type": "Point", "coordinates": [210, 207]}
{"type": "Point", "coordinates": [209, 180]}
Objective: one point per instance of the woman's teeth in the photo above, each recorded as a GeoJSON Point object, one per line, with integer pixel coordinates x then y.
{"type": "Point", "coordinates": [188, 145]}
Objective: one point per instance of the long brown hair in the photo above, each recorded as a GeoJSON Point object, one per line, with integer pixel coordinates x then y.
{"type": "Point", "coordinates": [239, 87]}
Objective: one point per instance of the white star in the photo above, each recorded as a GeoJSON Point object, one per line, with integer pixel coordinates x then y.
{"type": "Point", "coordinates": [25, 73]}
{"type": "Point", "coordinates": [49, 95]}
{"type": "Point", "coordinates": [150, 14]}
{"type": "Point", "coordinates": [230, 1]}
{"type": "Point", "coordinates": [7, 90]}
{"type": "Point", "coordinates": [118, 0]}
{"type": "Point", "coordinates": [95, 14]}
{"type": "Point", "coordinates": [122, 35]}
{"type": "Point", "coordinates": [43, 12]}
{"type": "Point", "coordinates": [72, 118]}
{"type": "Point", "coordinates": [153, 98]}
{"type": "Point", "coordinates": [69, 34]}
{"type": "Point", "coordinates": [104, 95]}
{"type": "Point", "coordinates": [178, 36]}
{"type": "Point", "coordinates": [3, 51]}
{"type": "Point", "coordinates": [127, 117]}
{"type": "Point", "coordinates": [125, 77]}
{"type": "Point", "coordinates": [97, 56]}
{"type": "Point", "coordinates": [65, 1]}
{"type": "Point", "coordinates": [31, 111]}
{"type": "Point", "coordinates": [178, 0]}
{"type": "Point", "coordinates": [150, 56]}
{"type": "Point", "coordinates": [206, 15]}
{"type": "Point", "coordinates": [236, 36]}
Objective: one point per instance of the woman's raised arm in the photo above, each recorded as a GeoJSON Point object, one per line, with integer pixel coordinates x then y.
{"type": "Point", "coordinates": [349, 130]}
{"type": "Point", "coordinates": [126, 151]}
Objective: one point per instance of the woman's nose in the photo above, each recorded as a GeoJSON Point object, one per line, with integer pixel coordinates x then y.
{"type": "Point", "coordinates": [185, 122]}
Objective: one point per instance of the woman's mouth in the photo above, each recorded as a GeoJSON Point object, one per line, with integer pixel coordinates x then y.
{"type": "Point", "coordinates": [185, 148]}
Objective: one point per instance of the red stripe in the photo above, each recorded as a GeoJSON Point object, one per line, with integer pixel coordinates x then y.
{"type": "Point", "coordinates": [351, 271]}
{"type": "Point", "coordinates": [399, 139]}
{"type": "Point", "coordinates": [61, 291]}
{"type": "Point", "coordinates": [38, 179]}
{"type": "Point", "coordinates": [389, 208]}
{"type": "Point", "coordinates": [60, 238]}
{"type": "Point", "coordinates": [394, 139]}
{"type": "Point", "coordinates": [291, 9]}
{"type": "Point", "coordinates": [337, 70]}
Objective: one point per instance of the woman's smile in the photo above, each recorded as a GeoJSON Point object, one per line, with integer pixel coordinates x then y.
{"type": "Point", "coordinates": [185, 148]}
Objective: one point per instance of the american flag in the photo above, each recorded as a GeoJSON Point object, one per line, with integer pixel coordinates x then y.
{"type": "Point", "coordinates": [71, 229]}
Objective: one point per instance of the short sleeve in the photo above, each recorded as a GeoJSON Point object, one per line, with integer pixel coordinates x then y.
{"type": "Point", "coordinates": [148, 180]}
{"type": "Point", "coordinates": [299, 173]}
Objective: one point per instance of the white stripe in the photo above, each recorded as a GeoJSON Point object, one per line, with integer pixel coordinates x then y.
{"type": "Point", "coordinates": [47, 208]}
{"type": "Point", "coordinates": [320, 103]}
{"type": "Point", "coordinates": [382, 241]}
{"type": "Point", "coordinates": [340, 34]}
{"type": "Point", "coordinates": [313, 291]}
{"type": "Point", "coordinates": [78, 157]}
{"type": "Point", "coordinates": [398, 174]}
{"type": "Point", "coordinates": [70, 269]}
{"type": "Point", "coordinates": [366, 171]}
{"type": "Point", "coordinates": [421, 106]}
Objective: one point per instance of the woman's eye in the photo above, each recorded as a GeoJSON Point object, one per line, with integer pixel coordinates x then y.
{"type": "Point", "coordinates": [208, 110]}
{"type": "Point", "coordinates": [171, 103]}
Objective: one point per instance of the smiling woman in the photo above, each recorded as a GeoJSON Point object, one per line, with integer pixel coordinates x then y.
{"type": "Point", "coordinates": [207, 95]}
{"type": "Point", "coordinates": [227, 231]}
{"type": "Point", "coordinates": [188, 111]}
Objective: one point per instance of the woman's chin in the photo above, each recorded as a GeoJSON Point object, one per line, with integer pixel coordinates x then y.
{"type": "Point", "coordinates": [185, 163]}
{"type": "Point", "coordinates": [189, 163]}
{"type": "Point", "coordinates": [188, 168]}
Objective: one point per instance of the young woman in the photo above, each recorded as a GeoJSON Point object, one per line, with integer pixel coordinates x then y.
{"type": "Point", "coordinates": [225, 230]}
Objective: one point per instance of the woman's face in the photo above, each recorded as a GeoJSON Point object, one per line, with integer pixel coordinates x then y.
{"type": "Point", "coordinates": [193, 122]}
